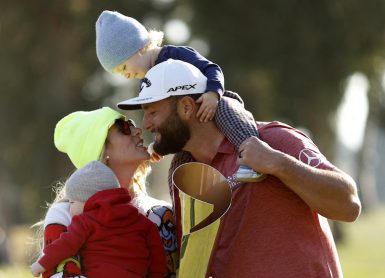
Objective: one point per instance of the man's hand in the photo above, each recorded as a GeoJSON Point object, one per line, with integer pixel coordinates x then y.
{"type": "Point", "coordinates": [209, 104]}
{"type": "Point", "coordinates": [37, 269]}
{"type": "Point", "coordinates": [258, 155]}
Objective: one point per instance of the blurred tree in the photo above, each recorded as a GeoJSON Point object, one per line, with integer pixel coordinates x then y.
{"type": "Point", "coordinates": [369, 155]}
{"type": "Point", "coordinates": [47, 57]}
{"type": "Point", "coordinates": [288, 58]}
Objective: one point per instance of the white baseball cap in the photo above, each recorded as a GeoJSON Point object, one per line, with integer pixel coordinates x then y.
{"type": "Point", "coordinates": [166, 79]}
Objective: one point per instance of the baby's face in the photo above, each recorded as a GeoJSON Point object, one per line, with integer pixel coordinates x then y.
{"type": "Point", "coordinates": [134, 67]}
{"type": "Point", "coordinates": [76, 207]}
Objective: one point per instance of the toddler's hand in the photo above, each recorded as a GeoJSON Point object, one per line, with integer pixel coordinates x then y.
{"type": "Point", "coordinates": [209, 104]}
{"type": "Point", "coordinates": [37, 269]}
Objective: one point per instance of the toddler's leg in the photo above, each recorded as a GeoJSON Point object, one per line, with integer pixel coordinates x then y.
{"type": "Point", "coordinates": [236, 123]}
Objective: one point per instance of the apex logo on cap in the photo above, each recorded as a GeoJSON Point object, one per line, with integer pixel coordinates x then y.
{"type": "Point", "coordinates": [184, 87]}
{"type": "Point", "coordinates": [145, 81]}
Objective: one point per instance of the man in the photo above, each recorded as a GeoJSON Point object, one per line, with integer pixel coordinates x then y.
{"type": "Point", "coordinates": [274, 228]}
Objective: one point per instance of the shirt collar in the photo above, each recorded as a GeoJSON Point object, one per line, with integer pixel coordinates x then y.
{"type": "Point", "coordinates": [226, 147]}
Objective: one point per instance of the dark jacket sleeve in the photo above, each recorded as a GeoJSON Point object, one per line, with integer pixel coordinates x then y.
{"type": "Point", "coordinates": [214, 74]}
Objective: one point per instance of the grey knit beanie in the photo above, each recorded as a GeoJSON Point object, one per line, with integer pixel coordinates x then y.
{"type": "Point", "coordinates": [118, 37]}
{"type": "Point", "coordinates": [88, 180]}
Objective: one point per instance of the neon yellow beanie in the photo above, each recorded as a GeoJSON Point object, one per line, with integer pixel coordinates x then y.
{"type": "Point", "coordinates": [82, 134]}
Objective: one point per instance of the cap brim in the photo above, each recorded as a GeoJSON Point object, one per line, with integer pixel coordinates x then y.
{"type": "Point", "coordinates": [137, 102]}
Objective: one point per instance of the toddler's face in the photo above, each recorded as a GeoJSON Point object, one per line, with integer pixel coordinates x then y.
{"type": "Point", "coordinates": [76, 207]}
{"type": "Point", "coordinates": [134, 67]}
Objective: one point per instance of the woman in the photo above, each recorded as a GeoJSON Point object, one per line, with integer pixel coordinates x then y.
{"type": "Point", "coordinates": [105, 135]}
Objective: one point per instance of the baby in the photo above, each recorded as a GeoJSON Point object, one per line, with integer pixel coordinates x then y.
{"type": "Point", "coordinates": [112, 237]}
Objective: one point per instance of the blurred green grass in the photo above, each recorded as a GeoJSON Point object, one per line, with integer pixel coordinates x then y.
{"type": "Point", "coordinates": [362, 252]}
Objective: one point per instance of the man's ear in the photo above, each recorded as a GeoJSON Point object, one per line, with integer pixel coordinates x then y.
{"type": "Point", "coordinates": [186, 107]}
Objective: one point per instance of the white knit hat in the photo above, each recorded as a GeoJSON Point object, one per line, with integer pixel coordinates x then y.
{"type": "Point", "coordinates": [118, 37]}
{"type": "Point", "coordinates": [88, 180]}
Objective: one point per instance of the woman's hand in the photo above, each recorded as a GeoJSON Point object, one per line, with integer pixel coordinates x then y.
{"type": "Point", "coordinates": [154, 157]}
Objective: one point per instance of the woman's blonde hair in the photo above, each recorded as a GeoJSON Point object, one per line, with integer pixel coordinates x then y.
{"type": "Point", "coordinates": [139, 178]}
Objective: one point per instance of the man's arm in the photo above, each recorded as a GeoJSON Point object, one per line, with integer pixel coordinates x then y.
{"type": "Point", "coordinates": [331, 193]}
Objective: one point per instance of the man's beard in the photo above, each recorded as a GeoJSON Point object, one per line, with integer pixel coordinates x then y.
{"type": "Point", "coordinates": [174, 134]}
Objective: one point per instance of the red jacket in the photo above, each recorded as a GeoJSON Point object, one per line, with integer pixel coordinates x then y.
{"type": "Point", "coordinates": [113, 238]}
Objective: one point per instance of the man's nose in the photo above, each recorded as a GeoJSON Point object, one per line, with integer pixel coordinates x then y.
{"type": "Point", "coordinates": [146, 122]}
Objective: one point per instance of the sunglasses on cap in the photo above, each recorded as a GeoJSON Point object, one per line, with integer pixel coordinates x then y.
{"type": "Point", "coordinates": [124, 126]}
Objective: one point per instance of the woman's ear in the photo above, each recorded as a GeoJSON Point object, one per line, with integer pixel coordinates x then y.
{"type": "Point", "coordinates": [104, 156]}
{"type": "Point", "coordinates": [186, 107]}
